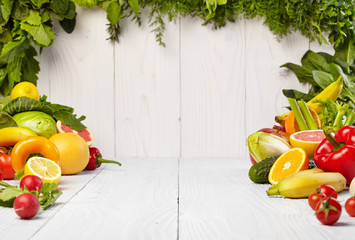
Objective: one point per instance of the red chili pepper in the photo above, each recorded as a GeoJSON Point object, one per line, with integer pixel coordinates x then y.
{"type": "Point", "coordinates": [96, 159]}
{"type": "Point", "coordinates": [5, 162]}
{"type": "Point", "coordinates": [337, 154]}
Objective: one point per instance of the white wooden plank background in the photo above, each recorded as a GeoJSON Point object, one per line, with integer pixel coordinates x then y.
{"type": "Point", "coordinates": [171, 198]}
{"type": "Point", "coordinates": [200, 96]}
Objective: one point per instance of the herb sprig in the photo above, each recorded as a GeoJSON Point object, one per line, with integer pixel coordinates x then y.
{"type": "Point", "coordinates": [49, 194]}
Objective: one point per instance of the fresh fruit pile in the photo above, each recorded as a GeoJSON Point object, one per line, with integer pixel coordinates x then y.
{"type": "Point", "coordinates": [39, 142]}
{"type": "Point", "coordinates": [310, 152]}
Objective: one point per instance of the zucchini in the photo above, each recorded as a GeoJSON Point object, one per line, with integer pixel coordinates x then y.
{"type": "Point", "coordinates": [259, 172]}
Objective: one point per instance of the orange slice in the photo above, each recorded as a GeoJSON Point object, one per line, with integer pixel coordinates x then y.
{"type": "Point", "coordinates": [291, 161]}
{"type": "Point", "coordinates": [307, 140]}
{"type": "Point", "coordinates": [291, 125]}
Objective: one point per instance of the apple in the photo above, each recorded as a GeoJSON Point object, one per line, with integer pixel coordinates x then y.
{"type": "Point", "coordinates": [278, 131]}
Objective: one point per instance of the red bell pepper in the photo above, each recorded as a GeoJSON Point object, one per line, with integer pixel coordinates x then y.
{"type": "Point", "coordinates": [337, 154]}
{"type": "Point", "coordinates": [5, 162]}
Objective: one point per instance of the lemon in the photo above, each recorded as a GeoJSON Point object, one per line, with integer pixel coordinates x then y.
{"type": "Point", "coordinates": [25, 89]}
{"type": "Point", "coordinates": [73, 151]}
{"type": "Point", "coordinates": [44, 168]}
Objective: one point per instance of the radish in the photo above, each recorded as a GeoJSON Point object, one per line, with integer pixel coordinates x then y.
{"type": "Point", "coordinates": [26, 205]}
{"type": "Point", "coordinates": [32, 183]}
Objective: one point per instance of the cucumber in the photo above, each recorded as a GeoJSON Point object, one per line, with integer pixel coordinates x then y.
{"type": "Point", "coordinates": [259, 172]}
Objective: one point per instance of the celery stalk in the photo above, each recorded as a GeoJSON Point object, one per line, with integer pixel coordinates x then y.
{"type": "Point", "coordinates": [298, 115]}
{"type": "Point", "coordinates": [307, 115]}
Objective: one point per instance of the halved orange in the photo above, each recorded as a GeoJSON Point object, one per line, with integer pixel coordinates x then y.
{"type": "Point", "coordinates": [291, 125]}
{"type": "Point", "coordinates": [291, 161]}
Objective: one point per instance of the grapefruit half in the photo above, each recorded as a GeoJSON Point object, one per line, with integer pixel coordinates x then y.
{"type": "Point", "coordinates": [308, 140]}
{"type": "Point", "coordinates": [85, 134]}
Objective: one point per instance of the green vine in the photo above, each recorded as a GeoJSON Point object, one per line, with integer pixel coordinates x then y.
{"type": "Point", "coordinates": [25, 24]}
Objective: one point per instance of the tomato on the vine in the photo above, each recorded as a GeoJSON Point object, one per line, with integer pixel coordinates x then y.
{"type": "Point", "coordinates": [327, 190]}
{"type": "Point", "coordinates": [314, 198]}
{"type": "Point", "coordinates": [350, 206]}
{"type": "Point", "coordinates": [328, 211]}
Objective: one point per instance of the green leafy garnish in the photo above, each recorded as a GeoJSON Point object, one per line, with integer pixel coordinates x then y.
{"type": "Point", "coordinates": [49, 194]}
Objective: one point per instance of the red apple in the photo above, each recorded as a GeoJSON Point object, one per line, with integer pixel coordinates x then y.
{"type": "Point", "coordinates": [276, 130]}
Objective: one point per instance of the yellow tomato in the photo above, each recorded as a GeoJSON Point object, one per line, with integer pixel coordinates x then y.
{"type": "Point", "coordinates": [25, 89]}
{"type": "Point", "coordinates": [73, 150]}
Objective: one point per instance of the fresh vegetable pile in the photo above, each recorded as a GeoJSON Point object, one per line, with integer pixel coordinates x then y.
{"type": "Point", "coordinates": [39, 142]}
{"type": "Point", "coordinates": [311, 149]}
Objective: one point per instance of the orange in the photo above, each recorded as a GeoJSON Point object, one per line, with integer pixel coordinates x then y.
{"type": "Point", "coordinates": [291, 125]}
{"type": "Point", "coordinates": [307, 140]}
{"type": "Point", "coordinates": [85, 134]}
{"type": "Point", "coordinates": [291, 161]}
{"type": "Point", "coordinates": [73, 150]}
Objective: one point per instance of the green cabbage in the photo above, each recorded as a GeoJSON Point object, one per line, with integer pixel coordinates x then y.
{"type": "Point", "coordinates": [39, 122]}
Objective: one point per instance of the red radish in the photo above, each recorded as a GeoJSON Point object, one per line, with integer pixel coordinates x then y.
{"type": "Point", "coordinates": [32, 183]}
{"type": "Point", "coordinates": [26, 205]}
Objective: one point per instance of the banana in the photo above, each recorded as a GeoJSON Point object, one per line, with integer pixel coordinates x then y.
{"type": "Point", "coordinates": [332, 91]}
{"type": "Point", "coordinates": [298, 174]}
{"type": "Point", "coordinates": [301, 186]}
{"type": "Point", "coordinates": [11, 135]}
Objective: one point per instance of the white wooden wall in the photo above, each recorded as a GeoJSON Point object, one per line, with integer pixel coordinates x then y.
{"type": "Point", "coordinates": [200, 96]}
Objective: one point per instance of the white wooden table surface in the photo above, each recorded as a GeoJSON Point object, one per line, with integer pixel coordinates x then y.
{"type": "Point", "coordinates": [172, 199]}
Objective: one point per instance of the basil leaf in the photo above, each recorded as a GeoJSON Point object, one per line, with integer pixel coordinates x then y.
{"type": "Point", "coordinates": [23, 104]}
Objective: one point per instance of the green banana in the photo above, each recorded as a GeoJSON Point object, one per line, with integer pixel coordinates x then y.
{"type": "Point", "coordinates": [303, 185]}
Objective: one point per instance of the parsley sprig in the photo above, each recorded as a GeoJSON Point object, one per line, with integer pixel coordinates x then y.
{"type": "Point", "coordinates": [49, 194]}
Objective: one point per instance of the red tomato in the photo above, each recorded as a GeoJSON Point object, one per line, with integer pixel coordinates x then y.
{"type": "Point", "coordinates": [327, 190]}
{"type": "Point", "coordinates": [328, 211]}
{"type": "Point", "coordinates": [350, 206]}
{"type": "Point", "coordinates": [314, 198]}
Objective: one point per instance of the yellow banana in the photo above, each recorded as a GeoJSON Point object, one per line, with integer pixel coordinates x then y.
{"type": "Point", "coordinates": [332, 91]}
{"type": "Point", "coordinates": [298, 174]}
{"type": "Point", "coordinates": [302, 186]}
{"type": "Point", "coordinates": [11, 135]}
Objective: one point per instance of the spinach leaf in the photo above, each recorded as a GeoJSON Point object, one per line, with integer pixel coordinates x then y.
{"type": "Point", "coordinates": [314, 61]}
{"type": "Point", "coordinates": [303, 74]}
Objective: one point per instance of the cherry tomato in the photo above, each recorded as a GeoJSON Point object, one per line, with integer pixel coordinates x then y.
{"type": "Point", "coordinates": [350, 206]}
{"type": "Point", "coordinates": [26, 205]}
{"type": "Point", "coordinates": [328, 211]}
{"type": "Point", "coordinates": [327, 190]}
{"type": "Point", "coordinates": [32, 183]}
{"type": "Point", "coordinates": [314, 198]}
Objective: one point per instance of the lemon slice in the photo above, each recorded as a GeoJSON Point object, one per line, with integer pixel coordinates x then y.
{"type": "Point", "coordinates": [44, 168]}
